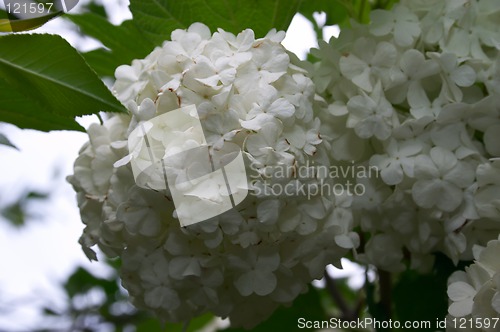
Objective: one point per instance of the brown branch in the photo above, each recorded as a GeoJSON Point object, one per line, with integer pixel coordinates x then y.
{"type": "Point", "coordinates": [385, 282]}
{"type": "Point", "coordinates": [347, 313]}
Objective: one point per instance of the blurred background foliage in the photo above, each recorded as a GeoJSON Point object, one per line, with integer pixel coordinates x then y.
{"type": "Point", "coordinates": [101, 304]}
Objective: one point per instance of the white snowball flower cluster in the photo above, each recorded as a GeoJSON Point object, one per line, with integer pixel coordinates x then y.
{"type": "Point", "coordinates": [416, 95]}
{"type": "Point", "coordinates": [244, 263]}
{"type": "Point", "coordinates": [475, 293]}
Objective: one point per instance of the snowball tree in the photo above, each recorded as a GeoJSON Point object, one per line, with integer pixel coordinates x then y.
{"type": "Point", "coordinates": [381, 147]}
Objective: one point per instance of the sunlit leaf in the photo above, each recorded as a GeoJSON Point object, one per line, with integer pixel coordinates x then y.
{"type": "Point", "coordinates": [19, 109]}
{"type": "Point", "coordinates": [157, 18]}
{"type": "Point", "coordinates": [7, 25]}
{"type": "Point", "coordinates": [124, 42]}
{"type": "Point", "coordinates": [47, 89]}
{"type": "Point", "coordinates": [96, 8]}
{"type": "Point", "coordinates": [336, 12]}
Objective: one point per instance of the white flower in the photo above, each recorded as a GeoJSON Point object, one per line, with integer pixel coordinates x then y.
{"type": "Point", "coordinates": [320, 250]}
{"type": "Point", "coordinates": [268, 64]}
{"type": "Point", "coordinates": [305, 140]}
{"type": "Point", "coordinates": [415, 67]}
{"type": "Point", "coordinates": [462, 294]}
{"type": "Point", "coordinates": [491, 139]}
{"type": "Point", "coordinates": [441, 178]}
{"type": "Point", "coordinates": [486, 199]}
{"type": "Point", "coordinates": [440, 88]}
{"type": "Point", "coordinates": [424, 109]}
{"type": "Point", "coordinates": [138, 213]}
{"type": "Point", "coordinates": [268, 107]}
{"type": "Point", "coordinates": [367, 61]}
{"type": "Point", "coordinates": [434, 18]}
{"type": "Point", "coordinates": [256, 274]}
{"type": "Point", "coordinates": [268, 146]}
{"type": "Point", "coordinates": [400, 22]}
{"type": "Point", "coordinates": [471, 34]}
{"type": "Point", "coordinates": [245, 262]}
{"type": "Point", "coordinates": [132, 80]}
{"type": "Point", "coordinates": [491, 76]}
{"type": "Point", "coordinates": [371, 115]}
{"type": "Point", "coordinates": [385, 252]}
{"type": "Point", "coordinates": [432, 65]}
{"type": "Point", "coordinates": [326, 71]}
{"type": "Point", "coordinates": [454, 76]}
{"type": "Point", "coordinates": [159, 293]}
{"type": "Point", "coordinates": [476, 292]}
{"type": "Point", "coordinates": [398, 161]}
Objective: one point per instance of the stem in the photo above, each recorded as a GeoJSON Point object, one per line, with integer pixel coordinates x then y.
{"type": "Point", "coordinates": [386, 4]}
{"type": "Point", "coordinates": [100, 118]}
{"type": "Point", "coordinates": [385, 281]}
{"type": "Point", "coordinates": [318, 30]}
{"type": "Point", "coordinates": [347, 4]}
{"type": "Point", "coordinates": [361, 11]}
{"type": "Point", "coordinates": [347, 313]}
{"type": "Point", "coordinates": [381, 4]}
{"type": "Point", "coordinates": [359, 305]}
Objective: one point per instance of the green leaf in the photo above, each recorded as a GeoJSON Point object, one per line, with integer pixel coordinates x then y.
{"type": "Point", "coordinates": [195, 324]}
{"type": "Point", "coordinates": [363, 9]}
{"type": "Point", "coordinates": [152, 325]}
{"type": "Point", "coordinates": [385, 4]}
{"type": "Point", "coordinates": [104, 62]}
{"type": "Point", "coordinates": [124, 42]}
{"type": "Point", "coordinates": [50, 312]}
{"type": "Point", "coordinates": [46, 84]}
{"type": "Point", "coordinates": [95, 7]}
{"type": "Point", "coordinates": [126, 38]}
{"type": "Point", "coordinates": [18, 212]}
{"type": "Point", "coordinates": [198, 323]}
{"type": "Point", "coordinates": [420, 297]}
{"type": "Point", "coordinates": [158, 18]}
{"type": "Point", "coordinates": [5, 141]}
{"type": "Point", "coordinates": [307, 306]}
{"type": "Point", "coordinates": [335, 11]}
{"type": "Point", "coordinates": [36, 195]}
{"type": "Point", "coordinates": [375, 308]}
{"type": "Point", "coordinates": [26, 112]}
{"type": "Point", "coordinates": [15, 214]}
{"type": "Point", "coordinates": [82, 281]}
{"type": "Point", "coordinates": [7, 25]}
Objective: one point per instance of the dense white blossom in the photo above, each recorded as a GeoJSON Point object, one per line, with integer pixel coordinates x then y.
{"type": "Point", "coordinates": [415, 94]}
{"type": "Point", "coordinates": [475, 293]}
{"type": "Point", "coordinates": [246, 262]}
